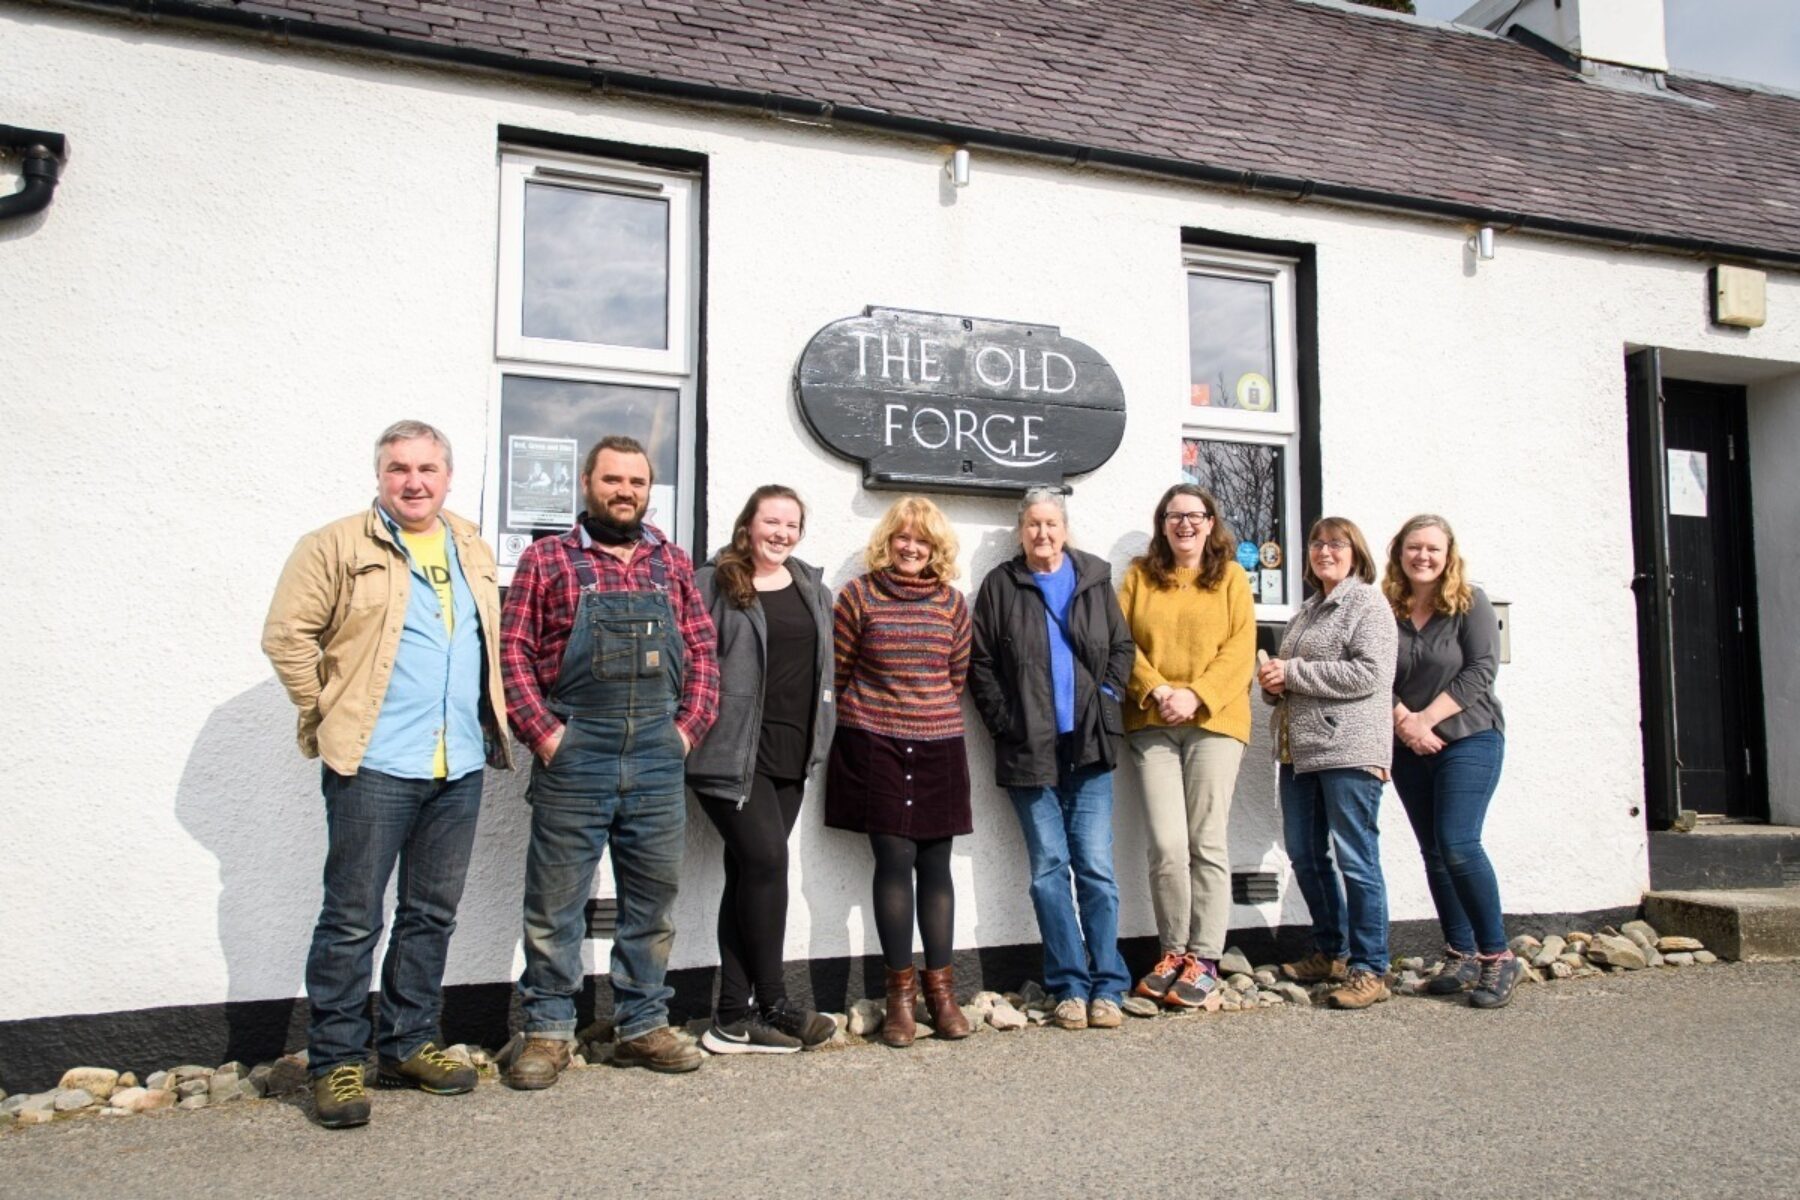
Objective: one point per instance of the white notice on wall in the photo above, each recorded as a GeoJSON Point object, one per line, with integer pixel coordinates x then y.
{"type": "Point", "coordinates": [1687, 483]}
{"type": "Point", "coordinates": [540, 492]}
{"type": "Point", "coordinates": [1271, 587]}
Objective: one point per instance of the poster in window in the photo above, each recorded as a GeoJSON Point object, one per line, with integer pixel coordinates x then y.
{"type": "Point", "coordinates": [540, 482]}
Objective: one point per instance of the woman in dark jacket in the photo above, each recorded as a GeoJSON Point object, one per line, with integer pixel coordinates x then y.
{"type": "Point", "coordinates": [1050, 660]}
{"type": "Point", "coordinates": [773, 616]}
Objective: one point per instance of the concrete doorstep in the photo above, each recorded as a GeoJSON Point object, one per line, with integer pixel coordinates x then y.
{"type": "Point", "coordinates": [1747, 924]}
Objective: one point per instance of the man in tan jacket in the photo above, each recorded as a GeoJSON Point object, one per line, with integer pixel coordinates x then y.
{"type": "Point", "coordinates": [385, 630]}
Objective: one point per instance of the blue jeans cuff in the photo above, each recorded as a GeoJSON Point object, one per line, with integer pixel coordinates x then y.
{"type": "Point", "coordinates": [631, 1033]}
{"type": "Point", "coordinates": [556, 1031]}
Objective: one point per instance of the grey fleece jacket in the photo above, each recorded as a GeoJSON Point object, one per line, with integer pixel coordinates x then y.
{"type": "Point", "coordinates": [1339, 650]}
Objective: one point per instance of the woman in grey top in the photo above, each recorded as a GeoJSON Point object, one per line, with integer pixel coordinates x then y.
{"type": "Point", "coordinates": [1332, 687]}
{"type": "Point", "coordinates": [1449, 740]}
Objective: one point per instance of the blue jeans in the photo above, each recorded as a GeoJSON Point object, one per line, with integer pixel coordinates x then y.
{"type": "Point", "coordinates": [1446, 797]}
{"type": "Point", "coordinates": [372, 820]}
{"type": "Point", "coordinates": [569, 833]}
{"type": "Point", "coordinates": [1068, 828]}
{"type": "Point", "coordinates": [1332, 814]}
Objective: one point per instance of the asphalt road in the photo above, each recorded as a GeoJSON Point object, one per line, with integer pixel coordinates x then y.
{"type": "Point", "coordinates": [1664, 1083]}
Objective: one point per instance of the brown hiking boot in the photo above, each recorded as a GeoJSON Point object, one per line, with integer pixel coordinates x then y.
{"type": "Point", "coordinates": [1363, 989]}
{"type": "Point", "coordinates": [539, 1062]}
{"type": "Point", "coordinates": [1316, 968]}
{"type": "Point", "coordinates": [898, 1029]}
{"type": "Point", "coordinates": [659, 1050]}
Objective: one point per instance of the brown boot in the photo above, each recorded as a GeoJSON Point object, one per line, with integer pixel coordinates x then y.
{"type": "Point", "coordinates": [539, 1062]}
{"type": "Point", "coordinates": [897, 1027]}
{"type": "Point", "coordinates": [940, 1002]}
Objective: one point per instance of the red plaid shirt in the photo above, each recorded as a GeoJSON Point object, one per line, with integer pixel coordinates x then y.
{"type": "Point", "coordinates": [540, 612]}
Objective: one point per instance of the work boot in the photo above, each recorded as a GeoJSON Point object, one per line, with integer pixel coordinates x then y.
{"type": "Point", "coordinates": [539, 1062]}
{"type": "Point", "coordinates": [339, 1100]}
{"type": "Point", "coordinates": [659, 1050]}
{"type": "Point", "coordinates": [1361, 990]}
{"type": "Point", "coordinates": [1459, 974]}
{"type": "Point", "coordinates": [897, 1027]}
{"type": "Point", "coordinates": [1316, 968]}
{"type": "Point", "coordinates": [1499, 976]}
{"type": "Point", "coordinates": [430, 1070]}
{"type": "Point", "coordinates": [947, 1017]}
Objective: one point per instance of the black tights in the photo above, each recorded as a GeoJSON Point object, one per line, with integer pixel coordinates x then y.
{"type": "Point", "coordinates": [896, 861]}
{"type": "Point", "coordinates": [753, 910]}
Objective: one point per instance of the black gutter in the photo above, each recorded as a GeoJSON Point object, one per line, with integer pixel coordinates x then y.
{"type": "Point", "coordinates": [43, 155]}
{"type": "Point", "coordinates": [800, 108]}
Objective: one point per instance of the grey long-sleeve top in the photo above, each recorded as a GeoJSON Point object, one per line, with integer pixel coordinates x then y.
{"type": "Point", "coordinates": [1456, 654]}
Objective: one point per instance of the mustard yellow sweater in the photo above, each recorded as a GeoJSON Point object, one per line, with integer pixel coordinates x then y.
{"type": "Point", "coordinates": [1189, 638]}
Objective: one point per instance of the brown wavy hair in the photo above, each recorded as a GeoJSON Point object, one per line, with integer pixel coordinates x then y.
{"type": "Point", "coordinates": [927, 521]}
{"type": "Point", "coordinates": [733, 566]}
{"type": "Point", "coordinates": [1454, 595]}
{"type": "Point", "coordinates": [1362, 563]}
{"type": "Point", "coordinates": [1158, 562]}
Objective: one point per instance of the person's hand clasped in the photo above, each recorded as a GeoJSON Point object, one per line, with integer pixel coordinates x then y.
{"type": "Point", "coordinates": [1416, 735]}
{"type": "Point", "coordinates": [1178, 706]}
{"type": "Point", "coordinates": [1272, 677]}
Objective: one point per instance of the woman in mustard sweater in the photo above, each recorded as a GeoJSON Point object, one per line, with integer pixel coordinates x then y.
{"type": "Point", "coordinates": [1189, 608]}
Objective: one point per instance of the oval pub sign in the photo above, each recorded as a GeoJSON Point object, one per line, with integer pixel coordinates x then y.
{"type": "Point", "coordinates": [933, 401]}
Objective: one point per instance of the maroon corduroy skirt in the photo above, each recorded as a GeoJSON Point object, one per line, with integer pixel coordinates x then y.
{"type": "Point", "coordinates": [880, 784]}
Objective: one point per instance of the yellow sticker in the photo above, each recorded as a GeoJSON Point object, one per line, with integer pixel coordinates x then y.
{"type": "Point", "coordinates": [1254, 392]}
{"type": "Point", "coordinates": [1271, 555]}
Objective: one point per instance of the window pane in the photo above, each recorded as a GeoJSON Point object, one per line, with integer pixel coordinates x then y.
{"type": "Point", "coordinates": [546, 427]}
{"type": "Point", "coordinates": [596, 267]}
{"type": "Point", "coordinates": [1246, 480]}
{"type": "Point", "coordinates": [1231, 337]}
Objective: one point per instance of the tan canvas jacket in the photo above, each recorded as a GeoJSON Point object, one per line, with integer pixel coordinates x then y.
{"type": "Point", "coordinates": [334, 626]}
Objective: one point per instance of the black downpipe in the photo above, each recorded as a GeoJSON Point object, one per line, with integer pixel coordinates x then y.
{"type": "Point", "coordinates": [42, 157]}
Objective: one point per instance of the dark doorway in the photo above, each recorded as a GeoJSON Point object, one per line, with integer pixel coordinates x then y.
{"type": "Point", "coordinates": [1712, 601]}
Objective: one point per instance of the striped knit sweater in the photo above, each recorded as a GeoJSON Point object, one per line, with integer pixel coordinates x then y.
{"type": "Point", "coordinates": [902, 656]}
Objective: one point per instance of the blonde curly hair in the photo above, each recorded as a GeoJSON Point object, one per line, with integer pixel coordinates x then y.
{"type": "Point", "coordinates": [1454, 595]}
{"type": "Point", "coordinates": [926, 521]}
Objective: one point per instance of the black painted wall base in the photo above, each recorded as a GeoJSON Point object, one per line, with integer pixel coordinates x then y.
{"type": "Point", "coordinates": [35, 1053]}
{"type": "Point", "coordinates": [1758, 857]}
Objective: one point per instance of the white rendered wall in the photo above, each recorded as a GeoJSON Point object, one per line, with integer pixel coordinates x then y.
{"type": "Point", "coordinates": [260, 257]}
{"type": "Point", "coordinates": [1774, 412]}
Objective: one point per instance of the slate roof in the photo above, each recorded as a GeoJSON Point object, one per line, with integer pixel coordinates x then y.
{"type": "Point", "coordinates": [1347, 100]}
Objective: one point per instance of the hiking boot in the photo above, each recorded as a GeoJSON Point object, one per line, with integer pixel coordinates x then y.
{"type": "Point", "coordinates": [1499, 976]}
{"type": "Point", "coordinates": [659, 1050]}
{"type": "Point", "coordinates": [1199, 976]}
{"type": "Point", "coordinates": [539, 1062]}
{"type": "Point", "coordinates": [1070, 1014]}
{"type": "Point", "coordinates": [1316, 968]}
{"type": "Point", "coordinates": [1362, 989]}
{"type": "Point", "coordinates": [430, 1070]}
{"type": "Point", "coordinates": [1459, 973]}
{"type": "Point", "coordinates": [811, 1029]}
{"type": "Point", "coordinates": [1104, 1014]}
{"type": "Point", "coordinates": [948, 1020]}
{"type": "Point", "coordinates": [339, 1100]}
{"type": "Point", "coordinates": [1161, 978]}
{"type": "Point", "coordinates": [748, 1035]}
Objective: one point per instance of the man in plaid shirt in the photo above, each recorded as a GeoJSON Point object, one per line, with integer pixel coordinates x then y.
{"type": "Point", "coordinates": [607, 654]}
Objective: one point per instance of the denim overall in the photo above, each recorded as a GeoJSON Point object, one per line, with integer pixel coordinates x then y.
{"type": "Point", "coordinates": [616, 779]}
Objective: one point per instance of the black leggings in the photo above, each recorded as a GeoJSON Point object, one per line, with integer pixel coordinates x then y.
{"type": "Point", "coordinates": [753, 910]}
{"type": "Point", "coordinates": [897, 859]}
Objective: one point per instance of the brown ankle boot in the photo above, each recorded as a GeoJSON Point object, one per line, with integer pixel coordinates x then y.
{"type": "Point", "coordinates": [898, 1028]}
{"type": "Point", "coordinates": [940, 1001]}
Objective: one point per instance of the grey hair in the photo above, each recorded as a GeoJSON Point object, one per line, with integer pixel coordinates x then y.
{"type": "Point", "coordinates": [406, 431]}
{"type": "Point", "coordinates": [1043, 495]}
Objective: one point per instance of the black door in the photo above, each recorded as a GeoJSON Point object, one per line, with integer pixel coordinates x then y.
{"type": "Point", "coordinates": [1712, 605]}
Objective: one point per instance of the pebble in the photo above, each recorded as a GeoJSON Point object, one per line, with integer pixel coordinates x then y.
{"type": "Point", "coordinates": [256, 1084]}
{"type": "Point", "coordinates": [224, 1087]}
{"type": "Point", "coordinates": [32, 1116]}
{"type": "Point", "coordinates": [1416, 965]}
{"type": "Point", "coordinates": [1579, 939]}
{"type": "Point", "coordinates": [157, 1081]}
{"type": "Point", "coordinates": [232, 1068]}
{"type": "Point", "coordinates": [126, 1099]}
{"type": "Point", "coordinates": [983, 1002]}
{"type": "Point", "coordinates": [1652, 956]}
{"type": "Point", "coordinates": [1228, 1005]}
{"type": "Point", "coordinates": [1705, 956]}
{"type": "Point", "coordinates": [1004, 1017]}
{"type": "Point", "coordinates": [38, 1102]}
{"type": "Point", "coordinates": [1548, 953]}
{"type": "Point", "coordinates": [1560, 969]}
{"type": "Point", "coordinates": [1034, 996]}
{"type": "Point", "coordinates": [865, 1017]}
{"type": "Point", "coordinates": [12, 1104]}
{"type": "Point", "coordinates": [1248, 996]}
{"type": "Point", "coordinates": [1677, 944]}
{"type": "Point", "coordinates": [127, 1079]}
{"type": "Point", "coordinates": [1679, 958]}
{"type": "Point", "coordinates": [1294, 992]}
{"type": "Point", "coordinates": [198, 1101]}
{"type": "Point", "coordinates": [190, 1071]}
{"type": "Point", "coordinates": [1572, 959]}
{"type": "Point", "coordinates": [1268, 1000]}
{"type": "Point", "coordinates": [1139, 1006]}
{"type": "Point", "coordinates": [71, 1099]}
{"type": "Point", "coordinates": [1621, 952]}
{"type": "Point", "coordinates": [192, 1087]}
{"type": "Point", "coordinates": [97, 1082]}
{"type": "Point", "coordinates": [1524, 945]}
{"type": "Point", "coordinates": [1265, 978]}
{"type": "Point", "coordinates": [155, 1099]}
{"type": "Point", "coordinates": [1240, 983]}
{"type": "Point", "coordinates": [1640, 929]}
{"type": "Point", "coordinates": [1233, 962]}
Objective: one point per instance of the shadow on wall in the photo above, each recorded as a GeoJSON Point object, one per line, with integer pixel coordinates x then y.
{"type": "Point", "coordinates": [248, 796]}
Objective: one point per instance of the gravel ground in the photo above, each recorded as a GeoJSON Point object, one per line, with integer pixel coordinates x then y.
{"type": "Point", "coordinates": [1659, 1083]}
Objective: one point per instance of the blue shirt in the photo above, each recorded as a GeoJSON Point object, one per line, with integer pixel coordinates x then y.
{"type": "Point", "coordinates": [1058, 588]}
{"type": "Point", "coordinates": [436, 685]}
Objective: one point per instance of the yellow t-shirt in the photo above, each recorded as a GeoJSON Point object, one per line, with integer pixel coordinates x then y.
{"type": "Point", "coordinates": [427, 549]}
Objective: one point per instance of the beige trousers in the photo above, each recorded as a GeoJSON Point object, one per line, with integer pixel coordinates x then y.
{"type": "Point", "coordinates": [1188, 775]}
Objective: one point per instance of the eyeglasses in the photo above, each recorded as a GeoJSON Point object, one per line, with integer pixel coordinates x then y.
{"type": "Point", "coordinates": [1335, 545]}
{"type": "Point", "coordinates": [1188, 520]}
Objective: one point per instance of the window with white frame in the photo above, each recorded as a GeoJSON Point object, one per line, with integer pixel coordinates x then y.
{"type": "Point", "coordinates": [1240, 436]}
{"type": "Point", "coordinates": [595, 334]}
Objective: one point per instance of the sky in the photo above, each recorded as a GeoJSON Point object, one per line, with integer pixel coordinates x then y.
{"type": "Point", "coordinates": [1757, 40]}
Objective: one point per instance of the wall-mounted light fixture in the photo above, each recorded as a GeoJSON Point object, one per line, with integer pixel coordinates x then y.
{"type": "Point", "coordinates": [957, 168]}
{"type": "Point", "coordinates": [1483, 243]}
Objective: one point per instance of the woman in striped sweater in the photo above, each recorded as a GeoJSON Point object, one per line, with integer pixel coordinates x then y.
{"type": "Point", "coordinates": [898, 771]}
